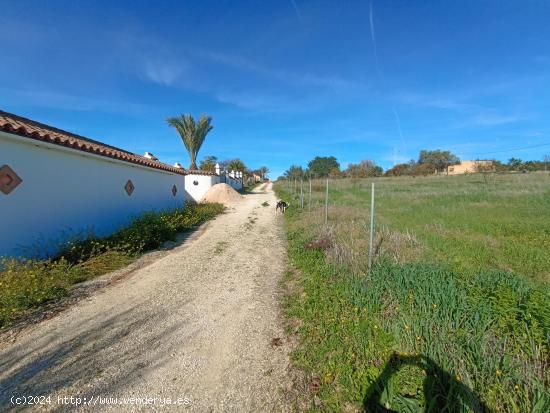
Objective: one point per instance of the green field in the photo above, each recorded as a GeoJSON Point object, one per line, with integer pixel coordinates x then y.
{"type": "Point", "coordinates": [468, 223]}
{"type": "Point", "coordinates": [453, 315]}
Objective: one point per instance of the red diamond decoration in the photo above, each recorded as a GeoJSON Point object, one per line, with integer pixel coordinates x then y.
{"type": "Point", "coordinates": [129, 187]}
{"type": "Point", "coordinates": [9, 180]}
{"type": "Point", "coordinates": [174, 190]}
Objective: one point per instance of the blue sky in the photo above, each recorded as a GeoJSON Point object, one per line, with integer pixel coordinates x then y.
{"type": "Point", "coordinates": [286, 80]}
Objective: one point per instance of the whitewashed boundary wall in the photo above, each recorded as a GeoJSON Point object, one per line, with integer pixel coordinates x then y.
{"type": "Point", "coordinates": [196, 185]}
{"type": "Point", "coordinates": [66, 193]}
{"type": "Point", "coordinates": [235, 183]}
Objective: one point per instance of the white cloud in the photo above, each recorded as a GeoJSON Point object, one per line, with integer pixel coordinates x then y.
{"type": "Point", "coordinates": [64, 101]}
{"type": "Point", "coordinates": [491, 119]}
{"type": "Point", "coordinates": [296, 9]}
{"type": "Point", "coordinates": [254, 101]}
{"type": "Point", "coordinates": [395, 158]}
{"type": "Point", "coordinates": [436, 102]}
{"type": "Point", "coordinates": [149, 58]}
{"type": "Point", "coordinates": [296, 79]}
{"type": "Point", "coordinates": [162, 72]}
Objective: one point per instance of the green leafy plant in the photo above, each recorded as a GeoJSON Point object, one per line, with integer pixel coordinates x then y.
{"type": "Point", "coordinates": [192, 133]}
{"type": "Point", "coordinates": [28, 284]}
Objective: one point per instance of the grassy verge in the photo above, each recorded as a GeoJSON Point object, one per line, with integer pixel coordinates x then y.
{"type": "Point", "coordinates": [466, 222]}
{"type": "Point", "coordinates": [28, 284]}
{"type": "Point", "coordinates": [415, 336]}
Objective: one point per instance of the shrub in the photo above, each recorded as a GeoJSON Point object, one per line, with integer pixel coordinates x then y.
{"type": "Point", "coordinates": [148, 231]}
{"type": "Point", "coordinates": [28, 284]}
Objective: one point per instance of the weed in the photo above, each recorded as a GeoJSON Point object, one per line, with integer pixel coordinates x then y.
{"type": "Point", "coordinates": [221, 246]}
{"type": "Point", "coordinates": [458, 221]}
{"type": "Point", "coordinates": [28, 284]}
{"type": "Point", "coordinates": [437, 324]}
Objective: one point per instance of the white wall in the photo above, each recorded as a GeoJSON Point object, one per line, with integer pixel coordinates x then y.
{"type": "Point", "coordinates": [236, 184]}
{"type": "Point", "coordinates": [65, 192]}
{"type": "Point", "coordinates": [197, 185]}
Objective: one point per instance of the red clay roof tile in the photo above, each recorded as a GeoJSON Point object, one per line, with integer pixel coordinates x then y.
{"type": "Point", "coordinates": [27, 128]}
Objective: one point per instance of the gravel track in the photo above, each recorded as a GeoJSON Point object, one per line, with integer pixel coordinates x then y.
{"type": "Point", "coordinates": [196, 323]}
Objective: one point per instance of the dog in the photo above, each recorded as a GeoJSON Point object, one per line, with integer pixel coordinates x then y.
{"type": "Point", "coordinates": [282, 205]}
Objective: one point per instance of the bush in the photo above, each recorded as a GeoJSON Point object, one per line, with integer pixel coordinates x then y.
{"type": "Point", "coordinates": [28, 284]}
{"type": "Point", "coordinates": [148, 231]}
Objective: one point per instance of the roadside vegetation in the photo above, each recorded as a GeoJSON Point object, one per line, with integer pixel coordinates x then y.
{"type": "Point", "coordinates": [453, 315]}
{"type": "Point", "coordinates": [429, 162]}
{"type": "Point", "coordinates": [28, 284]}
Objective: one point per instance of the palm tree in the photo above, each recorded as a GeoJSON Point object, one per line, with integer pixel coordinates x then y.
{"type": "Point", "coordinates": [264, 170]}
{"type": "Point", "coordinates": [236, 165]}
{"type": "Point", "coordinates": [208, 163]}
{"type": "Point", "coordinates": [192, 133]}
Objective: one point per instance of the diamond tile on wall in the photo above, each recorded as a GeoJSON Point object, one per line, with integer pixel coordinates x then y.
{"type": "Point", "coordinates": [174, 190]}
{"type": "Point", "coordinates": [9, 180]}
{"type": "Point", "coordinates": [129, 187]}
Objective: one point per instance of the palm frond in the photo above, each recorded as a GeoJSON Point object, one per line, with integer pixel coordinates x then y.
{"type": "Point", "coordinates": [192, 133]}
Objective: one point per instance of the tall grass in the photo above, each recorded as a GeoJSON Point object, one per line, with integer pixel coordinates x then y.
{"type": "Point", "coordinates": [465, 222]}
{"type": "Point", "coordinates": [419, 333]}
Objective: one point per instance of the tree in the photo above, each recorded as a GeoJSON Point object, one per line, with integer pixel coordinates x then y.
{"type": "Point", "coordinates": [440, 160]}
{"type": "Point", "coordinates": [484, 168]}
{"type": "Point", "coordinates": [481, 166]}
{"type": "Point", "coordinates": [264, 170]}
{"type": "Point", "coordinates": [294, 172]}
{"type": "Point", "coordinates": [208, 163]}
{"type": "Point", "coordinates": [321, 167]}
{"type": "Point", "coordinates": [376, 171]}
{"type": "Point", "coordinates": [423, 169]}
{"type": "Point", "coordinates": [499, 166]}
{"type": "Point", "coordinates": [546, 162]}
{"type": "Point", "coordinates": [335, 173]}
{"type": "Point", "coordinates": [236, 165]}
{"type": "Point", "coordinates": [363, 169]}
{"type": "Point", "coordinates": [354, 170]}
{"type": "Point", "coordinates": [192, 133]}
{"type": "Point", "coordinates": [399, 170]}
{"type": "Point", "coordinates": [224, 164]}
{"type": "Point", "coordinates": [514, 164]}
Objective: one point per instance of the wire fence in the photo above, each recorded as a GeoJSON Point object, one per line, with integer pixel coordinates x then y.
{"type": "Point", "coordinates": [296, 191]}
{"type": "Point", "coordinates": [463, 220]}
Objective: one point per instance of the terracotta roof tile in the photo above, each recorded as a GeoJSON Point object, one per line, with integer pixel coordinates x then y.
{"type": "Point", "coordinates": [30, 129]}
{"type": "Point", "coordinates": [197, 172]}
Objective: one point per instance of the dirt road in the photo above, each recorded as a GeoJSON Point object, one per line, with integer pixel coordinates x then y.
{"type": "Point", "coordinates": [196, 324]}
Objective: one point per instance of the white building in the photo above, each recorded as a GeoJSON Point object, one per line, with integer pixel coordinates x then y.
{"type": "Point", "coordinates": [56, 186]}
